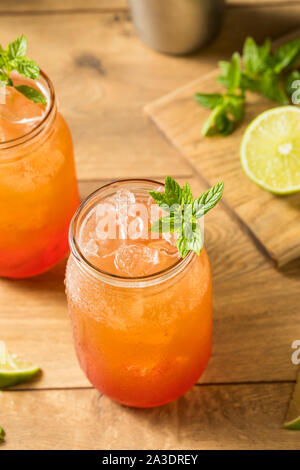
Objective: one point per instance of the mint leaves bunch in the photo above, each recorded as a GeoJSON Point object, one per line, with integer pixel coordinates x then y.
{"type": "Point", "coordinates": [14, 58]}
{"type": "Point", "coordinates": [184, 212]}
{"type": "Point", "coordinates": [258, 70]}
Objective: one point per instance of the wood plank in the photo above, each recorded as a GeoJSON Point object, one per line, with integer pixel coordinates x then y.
{"type": "Point", "coordinates": [181, 119]}
{"type": "Point", "coordinates": [22, 6]}
{"type": "Point", "coordinates": [207, 417]}
{"type": "Point", "coordinates": [293, 411]}
{"type": "Point", "coordinates": [254, 322]}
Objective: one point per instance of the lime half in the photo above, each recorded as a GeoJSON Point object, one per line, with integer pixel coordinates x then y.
{"type": "Point", "coordinates": [14, 370]}
{"type": "Point", "coordinates": [293, 415]}
{"type": "Point", "coordinates": [270, 150]}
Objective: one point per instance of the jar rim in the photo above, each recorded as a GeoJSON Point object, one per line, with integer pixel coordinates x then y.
{"type": "Point", "coordinates": [12, 143]}
{"type": "Point", "coordinates": [105, 276]}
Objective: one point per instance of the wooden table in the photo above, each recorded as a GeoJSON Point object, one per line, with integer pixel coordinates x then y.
{"type": "Point", "coordinates": [104, 76]}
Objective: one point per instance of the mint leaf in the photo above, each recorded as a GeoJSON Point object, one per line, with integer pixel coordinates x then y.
{"type": "Point", "coordinates": [208, 100]}
{"type": "Point", "coordinates": [28, 68]}
{"type": "Point", "coordinates": [224, 68]}
{"type": "Point", "coordinates": [235, 106]}
{"type": "Point", "coordinates": [161, 200]}
{"type": "Point", "coordinates": [2, 61]}
{"type": "Point", "coordinates": [18, 48]}
{"type": "Point", "coordinates": [212, 124]}
{"type": "Point", "coordinates": [224, 123]}
{"type": "Point", "coordinates": [286, 55]}
{"type": "Point", "coordinates": [172, 191]}
{"type": "Point", "coordinates": [256, 58]}
{"type": "Point", "coordinates": [2, 78]}
{"type": "Point", "coordinates": [231, 72]}
{"type": "Point", "coordinates": [193, 242]}
{"type": "Point", "coordinates": [251, 56]}
{"type": "Point", "coordinates": [225, 117]}
{"type": "Point", "coordinates": [181, 246]}
{"type": "Point", "coordinates": [183, 218]}
{"type": "Point", "coordinates": [158, 197]}
{"type": "Point", "coordinates": [186, 194]}
{"type": "Point", "coordinates": [163, 225]}
{"type": "Point", "coordinates": [31, 93]}
{"type": "Point", "coordinates": [265, 55]}
{"type": "Point", "coordinates": [208, 200]}
{"type": "Point", "coordinates": [218, 122]}
{"type": "Point", "coordinates": [270, 86]}
{"type": "Point", "coordinates": [249, 83]}
{"type": "Point", "coordinates": [234, 72]}
{"type": "Point", "coordinates": [2, 435]}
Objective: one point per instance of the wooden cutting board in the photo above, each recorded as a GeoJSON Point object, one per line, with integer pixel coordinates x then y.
{"type": "Point", "coordinates": [273, 220]}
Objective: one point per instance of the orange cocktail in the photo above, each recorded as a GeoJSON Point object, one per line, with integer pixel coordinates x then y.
{"type": "Point", "coordinates": [141, 315]}
{"type": "Point", "coordinates": [38, 189]}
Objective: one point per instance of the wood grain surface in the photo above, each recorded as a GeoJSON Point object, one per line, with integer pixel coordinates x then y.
{"type": "Point", "coordinates": [274, 220]}
{"type": "Point", "coordinates": [104, 76]}
{"type": "Point", "coordinates": [40, 6]}
{"type": "Point", "coordinates": [48, 6]}
{"type": "Point", "coordinates": [207, 417]}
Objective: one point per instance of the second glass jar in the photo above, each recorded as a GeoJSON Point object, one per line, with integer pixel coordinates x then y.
{"type": "Point", "coordinates": [38, 194]}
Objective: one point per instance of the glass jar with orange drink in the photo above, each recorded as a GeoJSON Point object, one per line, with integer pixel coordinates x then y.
{"type": "Point", "coordinates": [38, 188]}
{"type": "Point", "coordinates": [141, 313]}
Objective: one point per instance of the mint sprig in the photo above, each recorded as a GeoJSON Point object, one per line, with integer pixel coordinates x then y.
{"type": "Point", "coordinates": [228, 109]}
{"type": "Point", "coordinates": [183, 213]}
{"type": "Point", "coordinates": [14, 58]}
{"type": "Point", "coordinates": [258, 70]}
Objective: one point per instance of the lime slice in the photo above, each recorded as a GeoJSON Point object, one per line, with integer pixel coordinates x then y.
{"type": "Point", "coordinates": [293, 415]}
{"type": "Point", "coordinates": [270, 150]}
{"type": "Point", "coordinates": [14, 370]}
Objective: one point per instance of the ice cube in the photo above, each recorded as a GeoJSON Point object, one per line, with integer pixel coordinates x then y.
{"type": "Point", "coordinates": [137, 229]}
{"type": "Point", "coordinates": [99, 248]}
{"type": "Point", "coordinates": [108, 247]}
{"type": "Point", "coordinates": [135, 260]}
{"type": "Point", "coordinates": [87, 230]}
{"type": "Point", "coordinates": [138, 221]}
{"type": "Point", "coordinates": [170, 238]}
{"type": "Point", "coordinates": [124, 199]}
{"type": "Point", "coordinates": [18, 114]}
{"type": "Point", "coordinates": [104, 208]}
{"type": "Point", "coordinates": [92, 236]}
{"type": "Point", "coordinates": [91, 248]}
{"type": "Point", "coordinates": [164, 247]}
{"type": "Point", "coordinates": [106, 221]}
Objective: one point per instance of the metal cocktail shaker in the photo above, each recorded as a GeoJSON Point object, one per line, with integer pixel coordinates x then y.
{"type": "Point", "coordinates": [176, 26]}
